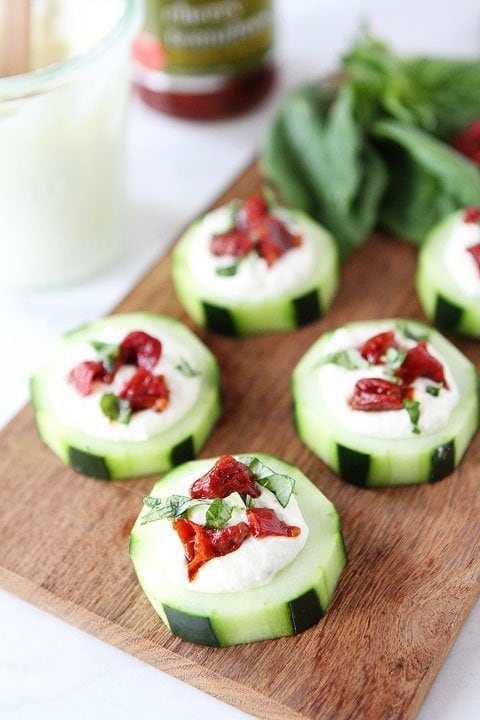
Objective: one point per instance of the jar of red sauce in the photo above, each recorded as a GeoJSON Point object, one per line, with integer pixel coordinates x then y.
{"type": "Point", "coordinates": [204, 59]}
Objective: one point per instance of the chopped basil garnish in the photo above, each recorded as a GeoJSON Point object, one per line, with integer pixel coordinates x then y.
{"type": "Point", "coordinates": [410, 333]}
{"type": "Point", "coordinates": [227, 270]}
{"type": "Point", "coordinates": [186, 369]}
{"type": "Point", "coordinates": [236, 501]}
{"type": "Point", "coordinates": [248, 500]}
{"type": "Point", "coordinates": [413, 409]}
{"type": "Point", "coordinates": [107, 353]}
{"type": "Point", "coordinates": [348, 359]}
{"type": "Point", "coordinates": [280, 485]}
{"type": "Point", "coordinates": [394, 358]}
{"type": "Point", "coordinates": [116, 408]}
{"type": "Point", "coordinates": [172, 507]}
{"type": "Point", "coordinates": [433, 390]}
{"type": "Point", "coordinates": [218, 514]}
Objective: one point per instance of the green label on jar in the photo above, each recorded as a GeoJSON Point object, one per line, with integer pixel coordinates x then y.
{"type": "Point", "coordinates": [210, 36]}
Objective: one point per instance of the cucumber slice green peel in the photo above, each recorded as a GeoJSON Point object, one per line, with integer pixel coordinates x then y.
{"type": "Point", "coordinates": [368, 461]}
{"type": "Point", "coordinates": [304, 304]}
{"type": "Point", "coordinates": [108, 459]}
{"type": "Point", "coordinates": [294, 600]}
{"type": "Point", "coordinates": [444, 301]}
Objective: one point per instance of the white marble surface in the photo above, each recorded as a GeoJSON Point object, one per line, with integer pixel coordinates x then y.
{"type": "Point", "coordinates": [48, 669]}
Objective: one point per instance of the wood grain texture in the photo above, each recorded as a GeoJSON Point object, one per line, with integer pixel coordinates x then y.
{"type": "Point", "coordinates": [414, 570]}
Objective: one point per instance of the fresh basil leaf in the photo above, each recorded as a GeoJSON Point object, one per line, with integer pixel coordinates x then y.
{"type": "Point", "coordinates": [413, 409]}
{"type": "Point", "coordinates": [384, 84]}
{"type": "Point", "coordinates": [343, 170]}
{"type": "Point", "coordinates": [349, 359]}
{"type": "Point", "coordinates": [394, 358]}
{"type": "Point", "coordinates": [227, 270]}
{"type": "Point", "coordinates": [451, 88]}
{"type": "Point", "coordinates": [433, 390]}
{"type": "Point", "coordinates": [236, 501]}
{"type": "Point", "coordinates": [428, 180]}
{"type": "Point", "coordinates": [218, 514]}
{"type": "Point", "coordinates": [107, 353]}
{"type": "Point", "coordinates": [437, 94]}
{"type": "Point", "coordinates": [151, 501]}
{"type": "Point", "coordinates": [169, 508]}
{"type": "Point", "coordinates": [280, 167]}
{"type": "Point", "coordinates": [280, 485]}
{"type": "Point", "coordinates": [116, 408]}
{"type": "Point", "coordinates": [186, 369]}
{"type": "Point", "coordinates": [410, 332]}
{"type": "Point", "coordinates": [248, 500]}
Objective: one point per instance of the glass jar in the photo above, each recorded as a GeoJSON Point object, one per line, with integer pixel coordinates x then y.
{"type": "Point", "coordinates": [62, 143]}
{"type": "Point", "coordinates": [205, 59]}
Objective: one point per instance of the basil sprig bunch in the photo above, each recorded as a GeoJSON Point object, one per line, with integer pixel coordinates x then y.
{"type": "Point", "coordinates": [370, 148]}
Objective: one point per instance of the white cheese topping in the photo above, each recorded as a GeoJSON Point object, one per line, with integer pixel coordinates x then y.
{"type": "Point", "coordinates": [254, 280]}
{"type": "Point", "coordinates": [85, 414]}
{"type": "Point", "coordinates": [458, 261]}
{"type": "Point", "coordinates": [336, 385]}
{"type": "Point", "coordinates": [253, 564]}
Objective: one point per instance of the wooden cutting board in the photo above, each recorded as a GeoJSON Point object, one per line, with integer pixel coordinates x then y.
{"type": "Point", "coordinates": [414, 570]}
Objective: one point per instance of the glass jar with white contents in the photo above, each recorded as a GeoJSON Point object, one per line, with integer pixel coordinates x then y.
{"type": "Point", "coordinates": [62, 142]}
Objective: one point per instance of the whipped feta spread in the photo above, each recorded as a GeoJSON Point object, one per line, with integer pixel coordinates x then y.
{"type": "Point", "coordinates": [254, 280]}
{"type": "Point", "coordinates": [458, 261]}
{"type": "Point", "coordinates": [84, 413]}
{"type": "Point", "coordinates": [336, 385]}
{"type": "Point", "coordinates": [253, 564]}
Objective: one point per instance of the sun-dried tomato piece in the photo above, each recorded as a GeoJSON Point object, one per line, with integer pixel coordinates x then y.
{"type": "Point", "coordinates": [141, 349]}
{"type": "Point", "coordinates": [201, 544]}
{"type": "Point", "coordinates": [471, 215]}
{"type": "Point", "coordinates": [374, 349]}
{"type": "Point", "coordinates": [467, 141]}
{"type": "Point", "coordinates": [377, 394]}
{"type": "Point", "coordinates": [419, 363]}
{"type": "Point", "coordinates": [234, 242]}
{"type": "Point", "coordinates": [195, 544]}
{"type": "Point", "coordinates": [474, 251]}
{"type": "Point", "coordinates": [83, 376]}
{"type": "Point", "coordinates": [255, 229]}
{"type": "Point", "coordinates": [264, 522]}
{"type": "Point", "coordinates": [188, 531]}
{"type": "Point", "coordinates": [145, 390]}
{"type": "Point", "coordinates": [250, 211]}
{"type": "Point", "coordinates": [228, 539]}
{"type": "Point", "coordinates": [226, 476]}
{"type": "Point", "coordinates": [273, 238]}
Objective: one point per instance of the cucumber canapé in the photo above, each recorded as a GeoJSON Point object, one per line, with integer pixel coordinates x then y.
{"type": "Point", "coordinates": [388, 402]}
{"type": "Point", "coordinates": [127, 395]}
{"type": "Point", "coordinates": [448, 273]}
{"type": "Point", "coordinates": [247, 268]}
{"type": "Point", "coordinates": [237, 549]}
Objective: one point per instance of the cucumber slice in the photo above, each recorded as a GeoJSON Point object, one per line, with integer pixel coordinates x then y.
{"type": "Point", "coordinates": [296, 290]}
{"type": "Point", "coordinates": [92, 444]}
{"type": "Point", "coordinates": [367, 460]}
{"type": "Point", "coordinates": [443, 296]}
{"type": "Point", "coordinates": [295, 598]}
